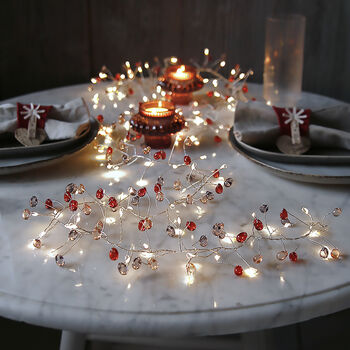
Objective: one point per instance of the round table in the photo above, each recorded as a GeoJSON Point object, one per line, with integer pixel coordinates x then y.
{"type": "Point", "coordinates": [90, 296]}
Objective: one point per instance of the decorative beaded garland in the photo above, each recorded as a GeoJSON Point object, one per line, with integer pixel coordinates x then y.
{"type": "Point", "coordinates": [196, 185]}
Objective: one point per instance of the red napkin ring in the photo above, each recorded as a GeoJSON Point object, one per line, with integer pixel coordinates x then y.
{"type": "Point", "coordinates": [24, 111]}
{"type": "Point", "coordinates": [282, 115]}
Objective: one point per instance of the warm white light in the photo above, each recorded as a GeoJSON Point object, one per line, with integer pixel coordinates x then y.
{"type": "Point", "coordinates": [141, 182]}
{"type": "Point", "coordinates": [251, 272]}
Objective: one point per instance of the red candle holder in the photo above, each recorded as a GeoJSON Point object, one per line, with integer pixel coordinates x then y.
{"type": "Point", "coordinates": [181, 81]}
{"type": "Point", "coordinates": [157, 121]}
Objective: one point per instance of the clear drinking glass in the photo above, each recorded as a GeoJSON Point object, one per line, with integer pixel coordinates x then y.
{"type": "Point", "coordinates": [283, 67]}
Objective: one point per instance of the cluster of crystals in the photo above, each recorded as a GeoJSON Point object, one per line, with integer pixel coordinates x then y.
{"type": "Point", "coordinates": [260, 231]}
{"type": "Point", "coordinates": [196, 180]}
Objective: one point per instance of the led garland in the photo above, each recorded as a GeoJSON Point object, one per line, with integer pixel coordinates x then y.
{"type": "Point", "coordinates": [115, 209]}
{"type": "Point", "coordinates": [233, 88]}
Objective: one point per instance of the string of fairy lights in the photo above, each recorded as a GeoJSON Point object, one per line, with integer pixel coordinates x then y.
{"type": "Point", "coordinates": [179, 185]}
{"type": "Point", "coordinates": [140, 204]}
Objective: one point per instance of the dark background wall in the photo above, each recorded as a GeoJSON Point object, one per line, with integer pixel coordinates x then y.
{"type": "Point", "coordinates": [48, 43]}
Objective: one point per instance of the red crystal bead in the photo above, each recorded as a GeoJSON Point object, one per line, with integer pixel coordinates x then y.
{"type": "Point", "coordinates": [191, 226]}
{"type": "Point", "coordinates": [157, 188]}
{"type": "Point", "coordinates": [245, 89]}
{"type": "Point", "coordinates": [99, 193]}
{"type": "Point", "coordinates": [219, 188]}
{"type": "Point", "coordinates": [100, 118]}
{"type": "Point", "coordinates": [258, 224]}
{"type": "Point", "coordinates": [238, 270]}
{"type": "Point", "coordinates": [131, 91]}
{"type": "Point", "coordinates": [113, 254]}
{"type": "Point", "coordinates": [73, 205]}
{"type": "Point", "coordinates": [67, 197]}
{"type": "Point", "coordinates": [187, 160]}
{"type": "Point", "coordinates": [163, 154]}
{"type": "Point", "coordinates": [209, 121]}
{"type": "Point", "coordinates": [241, 237]}
{"type": "Point", "coordinates": [157, 155]}
{"type": "Point", "coordinates": [217, 139]}
{"type": "Point", "coordinates": [293, 256]}
{"type": "Point", "coordinates": [109, 150]}
{"type": "Point", "coordinates": [138, 136]}
{"type": "Point", "coordinates": [112, 202]}
{"type": "Point", "coordinates": [231, 79]}
{"type": "Point", "coordinates": [117, 76]}
{"type": "Point", "coordinates": [210, 93]}
{"type": "Point", "coordinates": [141, 192]}
{"type": "Point", "coordinates": [142, 226]}
{"type": "Point", "coordinates": [216, 173]}
{"type": "Point", "coordinates": [284, 214]}
{"type": "Point", "coordinates": [48, 204]}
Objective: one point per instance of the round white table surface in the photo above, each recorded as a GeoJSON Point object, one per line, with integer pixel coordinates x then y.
{"type": "Point", "coordinates": [90, 296]}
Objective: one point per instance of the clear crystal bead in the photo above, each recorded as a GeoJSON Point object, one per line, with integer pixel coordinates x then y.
{"type": "Point", "coordinates": [72, 235]}
{"type": "Point", "coordinates": [37, 243]}
{"type": "Point", "coordinates": [188, 142]}
{"type": "Point", "coordinates": [135, 200]}
{"type": "Point", "coordinates": [160, 196]}
{"type": "Point", "coordinates": [203, 241]}
{"type": "Point", "coordinates": [125, 159]}
{"type": "Point", "coordinates": [204, 199]}
{"type": "Point", "coordinates": [281, 255]}
{"type": "Point", "coordinates": [33, 201]}
{"type": "Point", "coordinates": [264, 208]}
{"type": "Point", "coordinates": [228, 182]}
{"type": "Point", "coordinates": [160, 180]}
{"type": "Point", "coordinates": [189, 199]}
{"type": "Point", "coordinates": [257, 259]}
{"type": "Point", "coordinates": [190, 268]}
{"type": "Point", "coordinates": [336, 212]}
{"type": "Point", "coordinates": [170, 231]}
{"type": "Point", "coordinates": [81, 189]}
{"type": "Point", "coordinates": [59, 260]}
{"type": "Point", "coordinates": [177, 185]}
{"type": "Point", "coordinates": [136, 264]}
{"type": "Point", "coordinates": [86, 209]}
{"type": "Point", "coordinates": [153, 263]}
{"type": "Point", "coordinates": [132, 191]}
{"type": "Point", "coordinates": [26, 214]}
{"type": "Point", "coordinates": [218, 230]}
{"type": "Point", "coordinates": [324, 253]}
{"type": "Point", "coordinates": [122, 268]}
{"type": "Point", "coordinates": [210, 195]}
{"type": "Point", "coordinates": [71, 188]}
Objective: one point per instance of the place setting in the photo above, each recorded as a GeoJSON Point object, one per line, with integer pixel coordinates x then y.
{"type": "Point", "coordinates": [297, 135]}
{"type": "Point", "coordinates": [33, 135]}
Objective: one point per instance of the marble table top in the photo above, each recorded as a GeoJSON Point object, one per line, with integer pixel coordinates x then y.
{"type": "Point", "coordinates": [89, 295]}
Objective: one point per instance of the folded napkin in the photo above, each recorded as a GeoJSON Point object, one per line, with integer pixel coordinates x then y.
{"type": "Point", "coordinates": [256, 124]}
{"type": "Point", "coordinates": [63, 121]}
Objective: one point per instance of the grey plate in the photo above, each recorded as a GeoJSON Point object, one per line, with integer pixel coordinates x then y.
{"type": "Point", "coordinates": [54, 147]}
{"type": "Point", "coordinates": [335, 174]}
{"type": "Point", "coordinates": [18, 164]}
{"type": "Point", "coordinates": [289, 158]}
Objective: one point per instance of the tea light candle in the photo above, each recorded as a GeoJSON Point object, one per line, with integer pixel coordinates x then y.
{"type": "Point", "coordinates": [180, 82]}
{"type": "Point", "coordinates": [181, 74]}
{"type": "Point", "coordinates": [157, 121]}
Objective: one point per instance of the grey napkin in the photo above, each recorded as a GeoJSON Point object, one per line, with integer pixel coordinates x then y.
{"type": "Point", "coordinates": [62, 123]}
{"type": "Point", "coordinates": [256, 124]}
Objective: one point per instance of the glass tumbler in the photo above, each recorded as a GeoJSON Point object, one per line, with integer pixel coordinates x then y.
{"type": "Point", "coordinates": [283, 66]}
